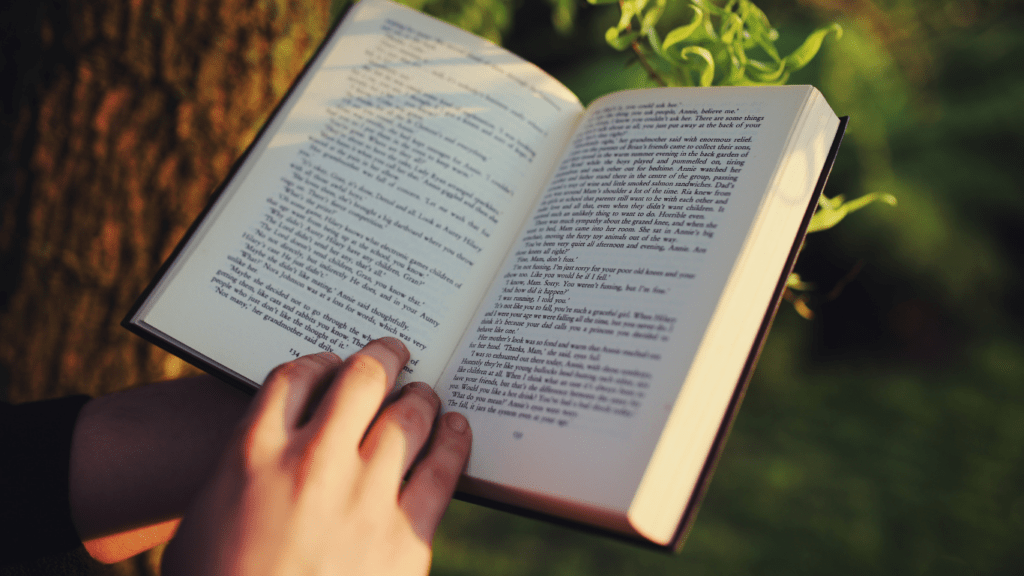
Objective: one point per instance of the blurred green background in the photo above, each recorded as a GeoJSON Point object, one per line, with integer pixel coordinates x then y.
{"type": "Point", "coordinates": [886, 434]}
{"type": "Point", "coordinates": [882, 436]}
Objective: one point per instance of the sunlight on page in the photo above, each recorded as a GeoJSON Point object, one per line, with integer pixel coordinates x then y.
{"type": "Point", "coordinates": [682, 453]}
{"type": "Point", "coordinates": [382, 200]}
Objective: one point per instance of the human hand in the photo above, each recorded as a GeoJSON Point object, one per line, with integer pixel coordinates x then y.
{"type": "Point", "coordinates": [311, 487]}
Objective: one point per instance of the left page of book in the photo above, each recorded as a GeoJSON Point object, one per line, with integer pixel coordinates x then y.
{"type": "Point", "coordinates": [378, 201]}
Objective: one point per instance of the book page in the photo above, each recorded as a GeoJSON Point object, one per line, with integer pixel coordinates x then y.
{"type": "Point", "coordinates": [379, 202]}
{"type": "Point", "coordinates": [700, 410]}
{"type": "Point", "coordinates": [574, 362]}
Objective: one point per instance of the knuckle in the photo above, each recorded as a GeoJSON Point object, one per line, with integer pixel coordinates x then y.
{"type": "Point", "coordinates": [280, 372]}
{"type": "Point", "coordinates": [439, 475]}
{"type": "Point", "coordinates": [441, 469]}
{"type": "Point", "coordinates": [289, 372]}
{"type": "Point", "coordinates": [425, 393]}
{"type": "Point", "coordinates": [255, 448]}
{"type": "Point", "coordinates": [302, 368]}
{"type": "Point", "coordinates": [411, 417]}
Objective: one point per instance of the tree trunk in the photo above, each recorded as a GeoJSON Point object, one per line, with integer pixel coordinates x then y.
{"type": "Point", "coordinates": [119, 119]}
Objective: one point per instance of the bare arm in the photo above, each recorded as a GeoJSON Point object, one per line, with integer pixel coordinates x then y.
{"type": "Point", "coordinates": [256, 479]}
{"type": "Point", "coordinates": [139, 456]}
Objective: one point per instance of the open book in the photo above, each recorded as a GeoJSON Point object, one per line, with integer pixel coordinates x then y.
{"type": "Point", "coordinates": [590, 287]}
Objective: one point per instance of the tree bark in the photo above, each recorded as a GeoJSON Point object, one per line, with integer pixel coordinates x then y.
{"type": "Point", "coordinates": [119, 119]}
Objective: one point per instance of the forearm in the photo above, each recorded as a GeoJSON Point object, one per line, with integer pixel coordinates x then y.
{"type": "Point", "coordinates": [139, 456]}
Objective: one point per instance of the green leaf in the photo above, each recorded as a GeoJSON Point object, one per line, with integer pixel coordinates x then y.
{"type": "Point", "coordinates": [681, 33]}
{"type": "Point", "coordinates": [655, 42]}
{"type": "Point", "coordinates": [794, 282]}
{"type": "Point", "coordinates": [708, 73]}
{"type": "Point", "coordinates": [731, 27]}
{"type": "Point", "coordinates": [832, 210]}
{"type": "Point", "coordinates": [857, 204]}
{"type": "Point", "coordinates": [651, 17]}
{"type": "Point", "coordinates": [824, 219]}
{"type": "Point", "coordinates": [832, 203]}
{"type": "Point", "coordinates": [802, 55]}
{"type": "Point", "coordinates": [761, 32]}
{"type": "Point", "coordinates": [636, 6]}
{"type": "Point", "coordinates": [765, 73]}
{"type": "Point", "coordinates": [629, 9]}
{"type": "Point", "coordinates": [620, 42]}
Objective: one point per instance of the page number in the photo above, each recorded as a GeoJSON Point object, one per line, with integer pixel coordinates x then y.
{"type": "Point", "coordinates": [517, 435]}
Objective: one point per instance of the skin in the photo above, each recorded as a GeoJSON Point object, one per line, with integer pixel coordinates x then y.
{"type": "Point", "coordinates": [310, 480]}
{"type": "Point", "coordinates": [138, 458]}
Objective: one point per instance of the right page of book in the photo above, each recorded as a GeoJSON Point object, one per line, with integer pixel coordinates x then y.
{"type": "Point", "coordinates": [578, 355]}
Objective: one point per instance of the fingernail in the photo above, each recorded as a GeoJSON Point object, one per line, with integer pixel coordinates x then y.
{"type": "Point", "coordinates": [394, 344]}
{"type": "Point", "coordinates": [419, 386]}
{"type": "Point", "coordinates": [457, 422]}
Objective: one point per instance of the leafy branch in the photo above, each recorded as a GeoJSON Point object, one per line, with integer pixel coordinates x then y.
{"type": "Point", "coordinates": [725, 43]}
{"type": "Point", "coordinates": [715, 45]}
{"type": "Point", "coordinates": [829, 213]}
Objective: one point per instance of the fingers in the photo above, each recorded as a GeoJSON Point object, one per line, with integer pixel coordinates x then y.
{"type": "Point", "coordinates": [286, 394]}
{"type": "Point", "coordinates": [342, 421]}
{"type": "Point", "coordinates": [413, 413]}
{"type": "Point", "coordinates": [433, 480]}
{"type": "Point", "coordinates": [294, 391]}
{"type": "Point", "coordinates": [356, 394]}
{"type": "Point", "coordinates": [391, 353]}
